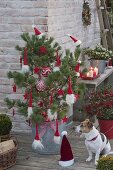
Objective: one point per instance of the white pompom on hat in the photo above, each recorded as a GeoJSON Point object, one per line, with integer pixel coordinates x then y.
{"type": "Point", "coordinates": [37, 143]}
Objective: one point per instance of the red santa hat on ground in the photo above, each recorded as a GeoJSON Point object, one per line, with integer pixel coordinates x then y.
{"type": "Point", "coordinates": [70, 98]}
{"type": "Point", "coordinates": [57, 134]}
{"type": "Point", "coordinates": [66, 152]}
{"type": "Point", "coordinates": [25, 67]}
{"type": "Point", "coordinates": [37, 143]}
{"type": "Point", "coordinates": [77, 42]}
{"type": "Point", "coordinates": [37, 32]}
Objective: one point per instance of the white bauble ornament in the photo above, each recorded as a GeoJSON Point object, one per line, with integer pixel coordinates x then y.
{"type": "Point", "coordinates": [40, 85]}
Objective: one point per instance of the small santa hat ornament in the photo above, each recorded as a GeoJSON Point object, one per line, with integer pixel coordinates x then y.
{"type": "Point", "coordinates": [70, 98]}
{"type": "Point", "coordinates": [77, 68]}
{"type": "Point", "coordinates": [58, 63]}
{"type": "Point", "coordinates": [37, 143]}
{"type": "Point", "coordinates": [77, 42]}
{"type": "Point", "coordinates": [30, 110]}
{"type": "Point", "coordinates": [14, 87]}
{"type": "Point", "coordinates": [57, 134]}
{"type": "Point", "coordinates": [37, 32]}
{"type": "Point", "coordinates": [60, 93]}
{"type": "Point", "coordinates": [109, 63]}
{"type": "Point", "coordinates": [66, 152]}
{"type": "Point", "coordinates": [25, 67]}
{"type": "Point", "coordinates": [20, 61]}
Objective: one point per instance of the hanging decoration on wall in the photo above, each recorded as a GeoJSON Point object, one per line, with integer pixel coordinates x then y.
{"type": "Point", "coordinates": [86, 14]}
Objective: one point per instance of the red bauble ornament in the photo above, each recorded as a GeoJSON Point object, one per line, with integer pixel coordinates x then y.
{"type": "Point", "coordinates": [36, 70]}
{"type": "Point", "coordinates": [40, 85]}
{"type": "Point", "coordinates": [44, 114]}
{"type": "Point", "coordinates": [43, 50]}
{"type": "Point", "coordinates": [40, 103]}
{"type": "Point", "coordinates": [45, 71]}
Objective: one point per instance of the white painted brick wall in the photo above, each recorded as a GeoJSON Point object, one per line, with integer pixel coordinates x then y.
{"type": "Point", "coordinates": [58, 17]}
{"type": "Point", "coordinates": [65, 17]}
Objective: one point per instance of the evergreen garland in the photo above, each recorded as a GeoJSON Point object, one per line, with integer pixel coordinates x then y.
{"type": "Point", "coordinates": [86, 14]}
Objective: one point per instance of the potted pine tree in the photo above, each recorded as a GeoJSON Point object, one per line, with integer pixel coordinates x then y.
{"type": "Point", "coordinates": [5, 127]}
{"type": "Point", "coordinates": [50, 88]}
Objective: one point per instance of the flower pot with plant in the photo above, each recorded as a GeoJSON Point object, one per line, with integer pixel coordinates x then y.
{"type": "Point", "coordinates": [49, 89]}
{"type": "Point", "coordinates": [5, 127]}
{"type": "Point", "coordinates": [105, 163]}
{"type": "Point", "coordinates": [99, 56]}
{"type": "Point", "coordinates": [100, 103]}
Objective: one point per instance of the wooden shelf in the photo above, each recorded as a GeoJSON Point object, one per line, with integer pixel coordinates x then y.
{"type": "Point", "coordinates": [96, 82]}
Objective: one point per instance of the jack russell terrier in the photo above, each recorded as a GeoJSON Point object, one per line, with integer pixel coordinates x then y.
{"type": "Point", "coordinates": [95, 141]}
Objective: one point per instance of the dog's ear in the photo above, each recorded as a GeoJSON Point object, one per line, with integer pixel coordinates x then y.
{"type": "Point", "coordinates": [90, 124]}
{"type": "Point", "coordinates": [87, 120]}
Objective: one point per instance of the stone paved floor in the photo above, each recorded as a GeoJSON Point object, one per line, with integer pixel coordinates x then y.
{"type": "Point", "coordinates": [28, 160]}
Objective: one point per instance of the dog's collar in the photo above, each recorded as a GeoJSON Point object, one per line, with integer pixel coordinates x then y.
{"type": "Point", "coordinates": [93, 139]}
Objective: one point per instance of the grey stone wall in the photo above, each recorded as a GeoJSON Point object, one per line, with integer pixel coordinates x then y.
{"type": "Point", "coordinates": [57, 17]}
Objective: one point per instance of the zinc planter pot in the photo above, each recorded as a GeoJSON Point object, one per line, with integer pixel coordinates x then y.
{"type": "Point", "coordinates": [106, 127]}
{"type": "Point", "coordinates": [100, 64]}
{"type": "Point", "coordinates": [46, 133]}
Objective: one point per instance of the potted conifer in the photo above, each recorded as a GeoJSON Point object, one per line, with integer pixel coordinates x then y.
{"type": "Point", "coordinates": [5, 127]}
{"type": "Point", "coordinates": [50, 88]}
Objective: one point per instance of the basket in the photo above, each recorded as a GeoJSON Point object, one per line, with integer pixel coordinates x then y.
{"type": "Point", "coordinates": [8, 158]}
{"type": "Point", "coordinates": [4, 137]}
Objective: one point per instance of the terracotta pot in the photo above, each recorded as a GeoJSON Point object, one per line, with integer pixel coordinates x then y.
{"type": "Point", "coordinates": [106, 127]}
